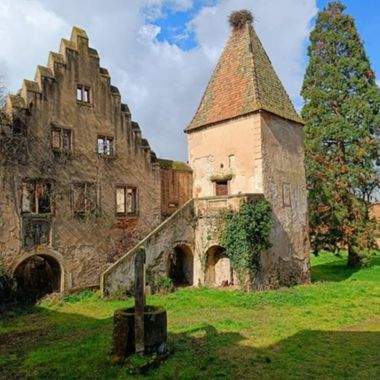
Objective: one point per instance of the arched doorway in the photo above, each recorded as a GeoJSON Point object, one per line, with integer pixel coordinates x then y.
{"type": "Point", "coordinates": [219, 270]}
{"type": "Point", "coordinates": [37, 276]}
{"type": "Point", "coordinates": [181, 265]}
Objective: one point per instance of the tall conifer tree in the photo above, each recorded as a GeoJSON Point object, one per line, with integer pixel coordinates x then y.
{"type": "Point", "coordinates": [341, 112]}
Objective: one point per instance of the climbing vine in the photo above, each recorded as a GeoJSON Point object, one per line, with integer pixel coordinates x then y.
{"type": "Point", "coordinates": [246, 234]}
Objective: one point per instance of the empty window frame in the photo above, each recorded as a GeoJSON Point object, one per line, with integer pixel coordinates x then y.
{"type": "Point", "coordinates": [61, 139]}
{"type": "Point", "coordinates": [83, 94]}
{"type": "Point", "coordinates": [221, 188]}
{"type": "Point", "coordinates": [104, 146]}
{"type": "Point", "coordinates": [126, 200]}
{"type": "Point", "coordinates": [84, 198]}
{"type": "Point", "coordinates": [36, 197]}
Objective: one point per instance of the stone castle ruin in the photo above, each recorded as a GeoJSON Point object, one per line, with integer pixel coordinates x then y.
{"type": "Point", "coordinates": [82, 189]}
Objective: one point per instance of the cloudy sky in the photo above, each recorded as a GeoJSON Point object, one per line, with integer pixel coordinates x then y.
{"type": "Point", "coordinates": [161, 53]}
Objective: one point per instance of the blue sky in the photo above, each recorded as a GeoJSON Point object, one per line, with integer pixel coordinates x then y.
{"type": "Point", "coordinates": [367, 17]}
{"type": "Point", "coordinates": [366, 13]}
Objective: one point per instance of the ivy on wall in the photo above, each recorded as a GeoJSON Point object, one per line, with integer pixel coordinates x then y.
{"type": "Point", "coordinates": [246, 234]}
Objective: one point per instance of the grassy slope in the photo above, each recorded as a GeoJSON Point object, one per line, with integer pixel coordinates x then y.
{"type": "Point", "coordinates": [327, 330]}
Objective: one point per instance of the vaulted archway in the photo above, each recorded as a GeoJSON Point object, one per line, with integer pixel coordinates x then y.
{"type": "Point", "coordinates": [219, 270]}
{"type": "Point", "coordinates": [181, 263]}
{"type": "Point", "coordinates": [37, 276]}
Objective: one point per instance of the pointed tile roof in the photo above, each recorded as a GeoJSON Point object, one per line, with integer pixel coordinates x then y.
{"type": "Point", "coordinates": [243, 82]}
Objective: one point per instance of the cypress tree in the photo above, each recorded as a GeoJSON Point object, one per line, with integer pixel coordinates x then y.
{"type": "Point", "coordinates": [341, 113]}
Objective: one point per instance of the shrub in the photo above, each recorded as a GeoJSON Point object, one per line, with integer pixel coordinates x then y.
{"type": "Point", "coordinates": [246, 234]}
{"type": "Point", "coordinates": [163, 285]}
{"type": "Point", "coordinates": [82, 296]}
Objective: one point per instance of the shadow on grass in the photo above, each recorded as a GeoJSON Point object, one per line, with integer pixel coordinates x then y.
{"type": "Point", "coordinates": [337, 270]}
{"type": "Point", "coordinates": [54, 345]}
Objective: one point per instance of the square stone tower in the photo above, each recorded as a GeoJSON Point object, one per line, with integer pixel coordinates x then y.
{"type": "Point", "coordinates": [246, 139]}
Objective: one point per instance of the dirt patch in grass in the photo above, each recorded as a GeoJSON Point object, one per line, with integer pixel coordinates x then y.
{"type": "Point", "coordinates": [13, 349]}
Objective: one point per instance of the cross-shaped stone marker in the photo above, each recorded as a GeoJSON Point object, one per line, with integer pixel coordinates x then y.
{"type": "Point", "coordinates": [139, 300]}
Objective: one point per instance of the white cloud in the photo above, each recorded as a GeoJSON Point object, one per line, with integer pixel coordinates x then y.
{"type": "Point", "coordinates": [161, 83]}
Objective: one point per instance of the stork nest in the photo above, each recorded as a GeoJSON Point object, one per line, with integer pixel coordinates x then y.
{"type": "Point", "coordinates": [239, 18]}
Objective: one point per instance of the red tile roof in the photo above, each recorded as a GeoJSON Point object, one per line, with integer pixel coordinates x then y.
{"type": "Point", "coordinates": [243, 82]}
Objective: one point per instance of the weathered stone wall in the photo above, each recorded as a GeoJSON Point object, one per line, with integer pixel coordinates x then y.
{"type": "Point", "coordinates": [83, 247]}
{"type": "Point", "coordinates": [287, 262]}
{"type": "Point", "coordinates": [177, 230]}
{"type": "Point", "coordinates": [267, 158]}
{"type": "Point", "coordinates": [209, 223]}
{"type": "Point", "coordinates": [231, 150]}
{"type": "Point", "coordinates": [176, 185]}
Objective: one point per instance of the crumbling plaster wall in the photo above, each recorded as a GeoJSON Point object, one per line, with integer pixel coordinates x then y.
{"type": "Point", "coordinates": [288, 261]}
{"type": "Point", "coordinates": [231, 148]}
{"type": "Point", "coordinates": [87, 246]}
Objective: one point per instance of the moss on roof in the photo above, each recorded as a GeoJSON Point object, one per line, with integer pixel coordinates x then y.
{"type": "Point", "coordinates": [45, 71]}
{"type": "Point", "coordinates": [173, 165]}
{"type": "Point", "coordinates": [243, 82]}
{"type": "Point", "coordinates": [104, 72]}
{"type": "Point", "coordinates": [135, 126]}
{"type": "Point", "coordinates": [93, 52]}
{"type": "Point", "coordinates": [68, 44]}
{"type": "Point", "coordinates": [32, 86]}
{"type": "Point", "coordinates": [56, 57]}
{"type": "Point", "coordinates": [115, 90]}
{"type": "Point", "coordinates": [125, 108]}
{"type": "Point", "coordinates": [76, 31]}
{"type": "Point", "coordinates": [16, 101]}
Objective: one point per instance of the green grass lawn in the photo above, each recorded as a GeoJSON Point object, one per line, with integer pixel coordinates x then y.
{"type": "Point", "coordinates": [329, 329]}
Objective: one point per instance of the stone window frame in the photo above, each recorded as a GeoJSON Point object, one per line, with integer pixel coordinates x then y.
{"type": "Point", "coordinates": [83, 94]}
{"type": "Point", "coordinates": [37, 186]}
{"type": "Point", "coordinates": [126, 213]}
{"type": "Point", "coordinates": [106, 138]}
{"type": "Point", "coordinates": [61, 131]}
{"type": "Point", "coordinates": [86, 211]}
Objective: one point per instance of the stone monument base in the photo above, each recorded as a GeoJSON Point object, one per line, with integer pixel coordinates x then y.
{"type": "Point", "coordinates": [155, 333]}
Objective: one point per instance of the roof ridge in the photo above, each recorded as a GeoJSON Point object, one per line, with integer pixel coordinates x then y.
{"type": "Point", "coordinates": [281, 90]}
{"type": "Point", "coordinates": [254, 77]}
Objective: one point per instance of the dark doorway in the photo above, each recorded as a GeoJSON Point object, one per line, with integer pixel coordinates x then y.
{"type": "Point", "coordinates": [37, 276]}
{"type": "Point", "coordinates": [181, 266]}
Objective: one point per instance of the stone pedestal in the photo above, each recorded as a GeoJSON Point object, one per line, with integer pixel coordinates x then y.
{"type": "Point", "coordinates": [155, 333]}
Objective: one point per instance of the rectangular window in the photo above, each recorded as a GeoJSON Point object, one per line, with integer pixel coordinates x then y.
{"type": "Point", "coordinates": [36, 197]}
{"type": "Point", "coordinates": [86, 95]}
{"type": "Point", "coordinates": [61, 139]}
{"type": "Point", "coordinates": [79, 93]}
{"type": "Point", "coordinates": [105, 146]}
{"type": "Point", "coordinates": [126, 200]}
{"type": "Point", "coordinates": [84, 198]}
{"type": "Point", "coordinates": [121, 207]}
{"type": "Point", "coordinates": [83, 94]}
{"type": "Point", "coordinates": [221, 188]}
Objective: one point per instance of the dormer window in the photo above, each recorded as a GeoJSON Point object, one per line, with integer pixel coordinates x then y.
{"type": "Point", "coordinates": [105, 146]}
{"type": "Point", "coordinates": [83, 94]}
